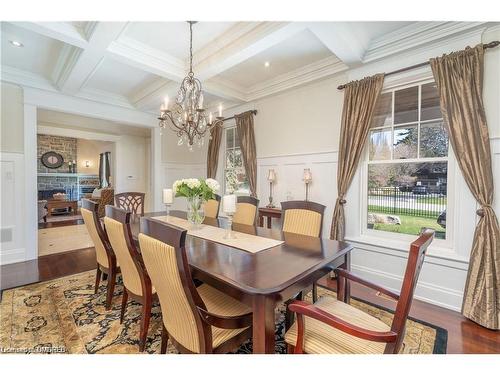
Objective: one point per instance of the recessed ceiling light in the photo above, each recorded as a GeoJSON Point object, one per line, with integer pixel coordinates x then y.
{"type": "Point", "coordinates": [16, 43]}
{"type": "Point", "coordinates": [266, 64]}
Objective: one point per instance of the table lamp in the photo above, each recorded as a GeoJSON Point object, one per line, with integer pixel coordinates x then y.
{"type": "Point", "coordinates": [271, 177]}
{"type": "Point", "coordinates": [307, 180]}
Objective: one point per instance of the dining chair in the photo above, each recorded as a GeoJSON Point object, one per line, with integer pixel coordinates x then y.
{"type": "Point", "coordinates": [332, 326]}
{"type": "Point", "coordinates": [196, 319]}
{"type": "Point", "coordinates": [106, 260]}
{"type": "Point", "coordinates": [212, 207]}
{"type": "Point", "coordinates": [131, 201]}
{"type": "Point", "coordinates": [136, 282]}
{"type": "Point", "coordinates": [246, 210]}
{"type": "Point", "coordinates": [304, 218]}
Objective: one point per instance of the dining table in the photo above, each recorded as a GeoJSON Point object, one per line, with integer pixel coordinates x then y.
{"type": "Point", "coordinates": [262, 279]}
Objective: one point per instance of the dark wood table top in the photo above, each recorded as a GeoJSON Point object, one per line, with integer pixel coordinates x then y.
{"type": "Point", "coordinates": [266, 272]}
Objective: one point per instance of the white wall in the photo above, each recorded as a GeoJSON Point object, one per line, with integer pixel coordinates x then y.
{"type": "Point", "coordinates": [12, 170]}
{"type": "Point", "coordinates": [89, 150]}
{"type": "Point", "coordinates": [300, 129]}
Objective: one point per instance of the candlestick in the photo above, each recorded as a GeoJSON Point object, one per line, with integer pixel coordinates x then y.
{"type": "Point", "coordinates": [210, 118]}
{"type": "Point", "coordinates": [168, 196]}
{"type": "Point", "coordinates": [220, 110]}
{"type": "Point", "coordinates": [229, 207]}
{"type": "Point", "coordinates": [165, 102]}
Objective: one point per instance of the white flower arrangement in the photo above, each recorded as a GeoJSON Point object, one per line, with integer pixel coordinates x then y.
{"type": "Point", "coordinates": [194, 187]}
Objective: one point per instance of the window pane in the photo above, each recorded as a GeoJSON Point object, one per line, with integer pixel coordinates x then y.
{"type": "Point", "coordinates": [230, 159]}
{"type": "Point", "coordinates": [407, 197]}
{"type": "Point", "coordinates": [383, 111]}
{"type": "Point", "coordinates": [230, 138]}
{"type": "Point", "coordinates": [380, 144]}
{"type": "Point", "coordinates": [406, 105]}
{"type": "Point", "coordinates": [405, 142]}
{"type": "Point", "coordinates": [433, 140]}
{"type": "Point", "coordinates": [231, 181]}
{"type": "Point", "coordinates": [430, 109]}
{"type": "Point", "coordinates": [236, 138]}
{"type": "Point", "coordinates": [238, 160]}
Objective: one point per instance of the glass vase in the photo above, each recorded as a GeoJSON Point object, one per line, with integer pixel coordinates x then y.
{"type": "Point", "coordinates": [195, 211]}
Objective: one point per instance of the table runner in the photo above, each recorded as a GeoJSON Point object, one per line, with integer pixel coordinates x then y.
{"type": "Point", "coordinates": [243, 241]}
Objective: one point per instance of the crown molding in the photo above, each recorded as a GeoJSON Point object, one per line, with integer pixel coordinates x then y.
{"type": "Point", "coordinates": [65, 64]}
{"type": "Point", "coordinates": [415, 35]}
{"type": "Point", "coordinates": [317, 70]}
{"type": "Point", "coordinates": [105, 97]}
{"type": "Point", "coordinates": [25, 78]}
{"type": "Point", "coordinates": [225, 89]}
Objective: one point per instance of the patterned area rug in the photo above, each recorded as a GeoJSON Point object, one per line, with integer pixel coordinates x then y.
{"type": "Point", "coordinates": [65, 316]}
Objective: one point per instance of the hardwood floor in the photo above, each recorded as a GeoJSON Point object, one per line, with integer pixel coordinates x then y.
{"type": "Point", "coordinates": [47, 268]}
{"type": "Point", "coordinates": [464, 336]}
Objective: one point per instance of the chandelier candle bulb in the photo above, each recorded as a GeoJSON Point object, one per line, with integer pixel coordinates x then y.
{"type": "Point", "coordinates": [220, 110]}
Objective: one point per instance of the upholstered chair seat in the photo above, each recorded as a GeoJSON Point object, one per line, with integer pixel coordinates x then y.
{"type": "Point", "coordinates": [221, 304]}
{"type": "Point", "coordinates": [246, 210]}
{"type": "Point", "coordinates": [332, 326]}
{"type": "Point", "coordinates": [106, 259]}
{"type": "Point", "coordinates": [300, 221]}
{"type": "Point", "coordinates": [136, 282]}
{"type": "Point", "coordinates": [196, 320]}
{"type": "Point", "coordinates": [320, 338]}
{"type": "Point", "coordinates": [212, 206]}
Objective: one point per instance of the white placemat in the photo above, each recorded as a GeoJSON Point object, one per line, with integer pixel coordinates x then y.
{"type": "Point", "coordinates": [243, 241]}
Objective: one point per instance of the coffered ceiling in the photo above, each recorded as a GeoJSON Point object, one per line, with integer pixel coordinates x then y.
{"type": "Point", "coordinates": [135, 64]}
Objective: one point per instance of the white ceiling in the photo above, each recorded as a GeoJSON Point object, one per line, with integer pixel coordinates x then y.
{"type": "Point", "coordinates": [38, 55]}
{"type": "Point", "coordinates": [299, 50]}
{"type": "Point", "coordinates": [135, 64]}
{"type": "Point", "coordinates": [119, 78]}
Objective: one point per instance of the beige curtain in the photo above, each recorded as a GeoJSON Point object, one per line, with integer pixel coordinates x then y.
{"type": "Point", "coordinates": [360, 98]}
{"type": "Point", "coordinates": [246, 135]}
{"type": "Point", "coordinates": [459, 77]}
{"type": "Point", "coordinates": [213, 151]}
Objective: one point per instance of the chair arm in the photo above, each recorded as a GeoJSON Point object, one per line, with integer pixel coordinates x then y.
{"type": "Point", "coordinates": [226, 322]}
{"type": "Point", "coordinates": [314, 312]}
{"type": "Point", "coordinates": [348, 275]}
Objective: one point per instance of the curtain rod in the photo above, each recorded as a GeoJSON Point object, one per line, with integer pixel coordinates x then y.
{"type": "Point", "coordinates": [486, 46]}
{"type": "Point", "coordinates": [254, 111]}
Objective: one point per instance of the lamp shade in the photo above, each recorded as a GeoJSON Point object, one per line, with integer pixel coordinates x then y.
{"type": "Point", "coordinates": [307, 176]}
{"type": "Point", "coordinates": [271, 175]}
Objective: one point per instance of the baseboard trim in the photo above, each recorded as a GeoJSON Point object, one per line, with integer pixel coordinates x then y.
{"type": "Point", "coordinates": [12, 256]}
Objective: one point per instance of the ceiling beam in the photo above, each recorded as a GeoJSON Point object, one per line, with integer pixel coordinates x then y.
{"type": "Point", "coordinates": [342, 40]}
{"type": "Point", "coordinates": [239, 43]}
{"type": "Point", "coordinates": [62, 31]}
{"type": "Point", "coordinates": [80, 64]}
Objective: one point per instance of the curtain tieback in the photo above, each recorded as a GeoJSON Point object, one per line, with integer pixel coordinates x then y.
{"type": "Point", "coordinates": [341, 200]}
{"type": "Point", "coordinates": [480, 212]}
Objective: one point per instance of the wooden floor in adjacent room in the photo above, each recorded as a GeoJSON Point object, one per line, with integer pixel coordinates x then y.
{"type": "Point", "coordinates": [464, 336]}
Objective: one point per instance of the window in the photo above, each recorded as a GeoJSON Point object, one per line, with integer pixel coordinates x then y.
{"type": "Point", "coordinates": [408, 162]}
{"type": "Point", "coordinates": [235, 179]}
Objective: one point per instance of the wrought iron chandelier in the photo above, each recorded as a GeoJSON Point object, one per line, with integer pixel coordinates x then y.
{"type": "Point", "coordinates": [187, 117]}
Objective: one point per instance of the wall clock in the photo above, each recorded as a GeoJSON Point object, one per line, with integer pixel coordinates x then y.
{"type": "Point", "coordinates": [52, 160]}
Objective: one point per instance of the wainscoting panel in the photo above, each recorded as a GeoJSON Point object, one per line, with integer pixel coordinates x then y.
{"type": "Point", "coordinates": [289, 185]}
{"type": "Point", "coordinates": [12, 243]}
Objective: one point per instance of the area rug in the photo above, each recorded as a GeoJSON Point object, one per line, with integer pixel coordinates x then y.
{"type": "Point", "coordinates": [65, 316]}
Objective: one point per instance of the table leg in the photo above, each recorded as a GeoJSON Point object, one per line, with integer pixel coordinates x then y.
{"type": "Point", "coordinates": [263, 325]}
{"type": "Point", "coordinates": [261, 221]}
{"type": "Point", "coordinates": [269, 222]}
{"type": "Point", "coordinates": [347, 293]}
